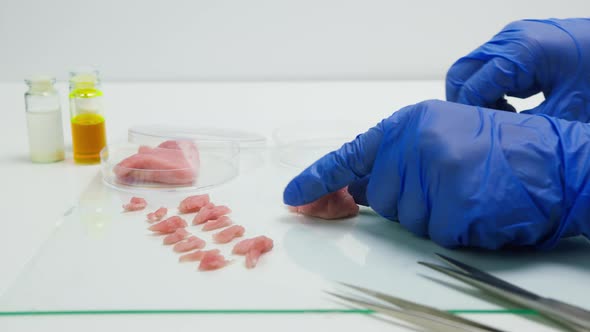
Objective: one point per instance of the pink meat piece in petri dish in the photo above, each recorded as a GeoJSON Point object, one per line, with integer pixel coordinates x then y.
{"type": "Point", "coordinates": [212, 261]}
{"type": "Point", "coordinates": [229, 234]}
{"type": "Point", "coordinates": [169, 225]}
{"type": "Point", "coordinates": [193, 203]}
{"type": "Point", "coordinates": [210, 212]}
{"type": "Point", "coordinates": [135, 204]}
{"type": "Point", "coordinates": [196, 255]}
{"type": "Point", "coordinates": [336, 205]}
{"type": "Point", "coordinates": [172, 162]}
{"type": "Point", "coordinates": [189, 244]}
{"type": "Point", "coordinates": [218, 223]}
{"type": "Point", "coordinates": [242, 247]}
{"type": "Point", "coordinates": [146, 168]}
{"type": "Point", "coordinates": [178, 235]}
{"type": "Point", "coordinates": [157, 215]}
{"type": "Point", "coordinates": [188, 149]}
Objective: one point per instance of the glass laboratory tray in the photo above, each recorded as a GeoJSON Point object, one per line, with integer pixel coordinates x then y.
{"type": "Point", "coordinates": [100, 260]}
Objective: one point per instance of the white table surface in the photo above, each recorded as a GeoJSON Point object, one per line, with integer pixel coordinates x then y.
{"type": "Point", "coordinates": [35, 196]}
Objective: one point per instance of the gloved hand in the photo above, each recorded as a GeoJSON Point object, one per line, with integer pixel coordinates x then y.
{"type": "Point", "coordinates": [464, 175]}
{"type": "Point", "coordinates": [527, 57]}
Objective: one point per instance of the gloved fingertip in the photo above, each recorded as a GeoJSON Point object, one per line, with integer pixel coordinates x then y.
{"type": "Point", "coordinates": [292, 194]}
{"type": "Point", "coordinates": [358, 190]}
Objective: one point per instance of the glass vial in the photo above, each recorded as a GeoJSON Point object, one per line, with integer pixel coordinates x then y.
{"type": "Point", "coordinates": [86, 116]}
{"type": "Point", "coordinates": [46, 140]}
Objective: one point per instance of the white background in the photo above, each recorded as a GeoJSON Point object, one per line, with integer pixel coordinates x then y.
{"type": "Point", "coordinates": [255, 39]}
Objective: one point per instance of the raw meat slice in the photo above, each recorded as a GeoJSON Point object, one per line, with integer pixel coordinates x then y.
{"type": "Point", "coordinates": [253, 249]}
{"type": "Point", "coordinates": [262, 243]}
{"type": "Point", "coordinates": [189, 244]}
{"type": "Point", "coordinates": [210, 212]}
{"type": "Point", "coordinates": [172, 162]}
{"type": "Point", "coordinates": [157, 215]}
{"type": "Point", "coordinates": [242, 247]}
{"type": "Point", "coordinates": [218, 223]}
{"type": "Point", "coordinates": [205, 210]}
{"type": "Point", "coordinates": [196, 255]}
{"type": "Point", "coordinates": [212, 261]}
{"type": "Point", "coordinates": [169, 225]}
{"type": "Point", "coordinates": [193, 203]}
{"type": "Point", "coordinates": [189, 150]}
{"type": "Point", "coordinates": [252, 258]}
{"type": "Point", "coordinates": [229, 234]}
{"type": "Point", "coordinates": [154, 168]}
{"type": "Point", "coordinates": [178, 235]}
{"type": "Point", "coordinates": [258, 249]}
{"type": "Point", "coordinates": [135, 204]}
{"type": "Point", "coordinates": [336, 205]}
{"type": "Point", "coordinates": [188, 147]}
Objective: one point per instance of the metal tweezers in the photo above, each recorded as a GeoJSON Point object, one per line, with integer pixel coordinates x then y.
{"type": "Point", "coordinates": [420, 315]}
{"type": "Point", "coordinates": [575, 318]}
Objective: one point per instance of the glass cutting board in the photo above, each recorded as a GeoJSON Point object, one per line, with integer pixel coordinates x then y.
{"type": "Point", "coordinates": [99, 259]}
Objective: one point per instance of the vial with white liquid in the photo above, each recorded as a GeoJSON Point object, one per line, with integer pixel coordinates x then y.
{"type": "Point", "coordinates": [46, 140]}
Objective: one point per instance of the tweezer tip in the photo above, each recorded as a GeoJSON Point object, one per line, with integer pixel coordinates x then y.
{"type": "Point", "coordinates": [346, 284]}
{"type": "Point", "coordinates": [436, 267]}
{"type": "Point", "coordinates": [341, 297]}
{"type": "Point", "coordinates": [445, 258]}
{"type": "Point", "coordinates": [352, 286]}
{"type": "Point", "coordinates": [425, 263]}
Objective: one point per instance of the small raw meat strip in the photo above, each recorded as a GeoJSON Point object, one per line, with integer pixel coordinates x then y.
{"type": "Point", "coordinates": [157, 215]}
{"type": "Point", "coordinates": [210, 212]}
{"type": "Point", "coordinates": [336, 205]}
{"type": "Point", "coordinates": [196, 255]}
{"type": "Point", "coordinates": [172, 162]}
{"type": "Point", "coordinates": [262, 242]}
{"type": "Point", "coordinates": [178, 235]}
{"type": "Point", "coordinates": [135, 204]}
{"type": "Point", "coordinates": [253, 249]}
{"type": "Point", "coordinates": [193, 203]}
{"type": "Point", "coordinates": [242, 247]}
{"type": "Point", "coordinates": [221, 222]}
{"type": "Point", "coordinates": [229, 234]}
{"type": "Point", "coordinates": [252, 258]}
{"type": "Point", "coordinates": [258, 248]}
{"type": "Point", "coordinates": [212, 261]}
{"type": "Point", "coordinates": [189, 244]}
{"type": "Point", "coordinates": [169, 225]}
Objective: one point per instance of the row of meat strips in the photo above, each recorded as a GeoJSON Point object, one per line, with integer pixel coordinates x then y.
{"type": "Point", "coordinates": [212, 217]}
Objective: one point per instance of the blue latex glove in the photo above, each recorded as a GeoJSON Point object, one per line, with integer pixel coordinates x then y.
{"type": "Point", "coordinates": [464, 175]}
{"type": "Point", "coordinates": [527, 57]}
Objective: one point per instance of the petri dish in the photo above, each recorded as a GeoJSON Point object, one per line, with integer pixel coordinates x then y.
{"type": "Point", "coordinates": [300, 144]}
{"type": "Point", "coordinates": [167, 158]}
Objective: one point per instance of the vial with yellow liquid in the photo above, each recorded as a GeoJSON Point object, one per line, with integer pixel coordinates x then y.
{"type": "Point", "coordinates": [87, 116]}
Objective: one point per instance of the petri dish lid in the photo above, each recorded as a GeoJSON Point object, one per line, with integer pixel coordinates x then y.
{"type": "Point", "coordinates": [300, 144]}
{"type": "Point", "coordinates": [147, 134]}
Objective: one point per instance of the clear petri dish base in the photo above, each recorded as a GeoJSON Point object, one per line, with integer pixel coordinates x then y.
{"type": "Point", "coordinates": [167, 158]}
